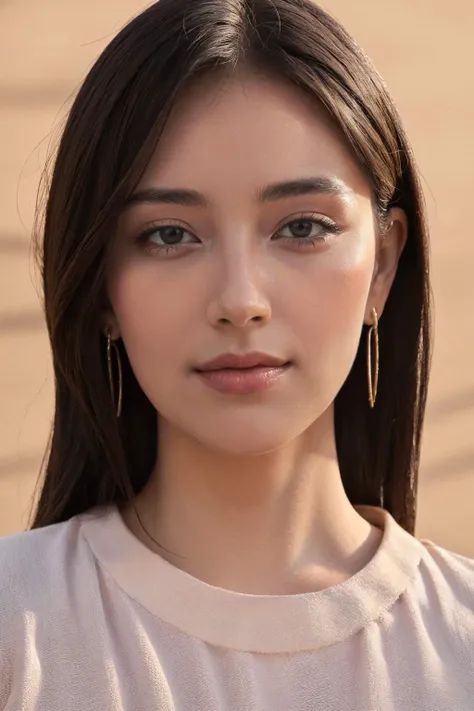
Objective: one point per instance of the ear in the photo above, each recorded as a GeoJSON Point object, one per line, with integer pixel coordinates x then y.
{"type": "Point", "coordinates": [391, 245]}
{"type": "Point", "coordinates": [109, 324]}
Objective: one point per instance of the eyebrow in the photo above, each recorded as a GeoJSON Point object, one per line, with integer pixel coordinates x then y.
{"type": "Point", "coordinates": [270, 193]}
{"type": "Point", "coordinates": [327, 185]}
{"type": "Point", "coordinates": [168, 196]}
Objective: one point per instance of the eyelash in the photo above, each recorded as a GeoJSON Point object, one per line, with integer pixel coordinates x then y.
{"type": "Point", "coordinates": [330, 228]}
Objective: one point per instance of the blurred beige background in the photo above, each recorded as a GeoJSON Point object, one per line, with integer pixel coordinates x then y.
{"type": "Point", "coordinates": [426, 55]}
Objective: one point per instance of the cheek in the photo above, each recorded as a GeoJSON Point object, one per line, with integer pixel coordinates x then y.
{"type": "Point", "coordinates": [347, 283]}
{"type": "Point", "coordinates": [152, 316]}
{"type": "Point", "coordinates": [331, 299]}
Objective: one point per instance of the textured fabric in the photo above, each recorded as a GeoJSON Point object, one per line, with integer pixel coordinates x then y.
{"type": "Point", "coordinates": [91, 619]}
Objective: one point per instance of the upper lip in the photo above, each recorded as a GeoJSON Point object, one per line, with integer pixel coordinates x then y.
{"type": "Point", "coordinates": [242, 360]}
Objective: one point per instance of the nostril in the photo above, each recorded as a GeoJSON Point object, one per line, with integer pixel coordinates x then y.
{"type": "Point", "coordinates": [254, 319]}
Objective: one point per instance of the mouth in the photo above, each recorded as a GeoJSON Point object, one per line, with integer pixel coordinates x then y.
{"type": "Point", "coordinates": [242, 374]}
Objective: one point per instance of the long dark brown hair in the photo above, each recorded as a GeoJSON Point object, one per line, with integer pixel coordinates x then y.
{"type": "Point", "coordinates": [110, 134]}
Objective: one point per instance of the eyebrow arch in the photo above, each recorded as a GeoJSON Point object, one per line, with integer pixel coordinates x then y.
{"type": "Point", "coordinates": [168, 196]}
{"type": "Point", "coordinates": [270, 193]}
{"type": "Point", "coordinates": [328, 185]}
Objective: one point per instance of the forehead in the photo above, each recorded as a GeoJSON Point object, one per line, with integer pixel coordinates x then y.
{"type": "Point", "coordinates": [248, 131]}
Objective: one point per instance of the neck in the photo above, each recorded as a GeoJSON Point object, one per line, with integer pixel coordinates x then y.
{"type": "Point", "coordinates": [276, 523]}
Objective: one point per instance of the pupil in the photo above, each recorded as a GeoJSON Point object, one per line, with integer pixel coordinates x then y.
{"type": "Point", "coordinates": [301, 228]}
{"type": "Point", "coordinates": [171, 235]}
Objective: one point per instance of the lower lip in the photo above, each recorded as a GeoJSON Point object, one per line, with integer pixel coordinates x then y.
{"type": "Point", "coordinates": [243, 381]}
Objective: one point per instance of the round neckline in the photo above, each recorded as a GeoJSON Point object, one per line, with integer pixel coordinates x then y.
{"type": "Point", "coordinates": [255, 623]}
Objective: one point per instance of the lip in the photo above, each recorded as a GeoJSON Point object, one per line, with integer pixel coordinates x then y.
{"type": "Point", "coordinates": [242, 374]}
{"type": "Point", "coordinates": [239, 361]}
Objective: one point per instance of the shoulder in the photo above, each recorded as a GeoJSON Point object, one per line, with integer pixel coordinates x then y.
{"type": "Point", "coordinates": [453, 570]}
{"type": "Point", "coordinates": [24, 554]}
{"type": "Point", "coordinates": [35, 571]}
{"type": "Point", "coordinates": [35, 579]}
{"type": "Point", "coordinates": [447, 589]}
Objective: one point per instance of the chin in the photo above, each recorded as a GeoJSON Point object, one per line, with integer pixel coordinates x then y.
{"type": "Point", "coordinates": [244, 447]}
{"type": "Point", "coordinates": [245, 431]}
{"type": "Point", "coordinates": [248, 438]}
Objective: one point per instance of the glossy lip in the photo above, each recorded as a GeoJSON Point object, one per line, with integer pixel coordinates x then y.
{"type": "Point", "coordinates": [242, 374]}
{"type": "Point", "coordinates": [241, 361]}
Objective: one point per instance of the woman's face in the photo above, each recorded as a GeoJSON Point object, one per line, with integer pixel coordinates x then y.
{"type": "Point", "coordinates": [252, 230]}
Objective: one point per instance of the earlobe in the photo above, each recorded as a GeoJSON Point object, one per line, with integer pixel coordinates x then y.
{"type": "Point", "coordinates": [113, 332]}
{"type": "Point", "coordinates": [372, 313]}
{"type": "Point", "coordinates": [110, 326]}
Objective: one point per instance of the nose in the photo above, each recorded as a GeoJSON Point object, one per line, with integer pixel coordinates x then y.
{"type": "Point", "coordinates": [239, 298]}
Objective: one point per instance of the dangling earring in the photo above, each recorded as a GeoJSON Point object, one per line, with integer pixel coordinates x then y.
{"type": "Point", "coordinates": [373, 358]}
{"type": "Point", "coordinates": [111, 343]}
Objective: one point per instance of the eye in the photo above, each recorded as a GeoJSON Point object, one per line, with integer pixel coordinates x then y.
{"type": "Point", "coordinates": [307, 229]}
{"type": "Point", "coordinates": [165, 238]}
{"type": "Point", "coordinates": [168, 235]}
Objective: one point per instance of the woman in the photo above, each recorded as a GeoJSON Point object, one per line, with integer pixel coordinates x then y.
{"type": "Point", "coordinates": [236, 292]}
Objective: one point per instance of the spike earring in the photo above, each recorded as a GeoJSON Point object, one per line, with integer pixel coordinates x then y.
{"type": "Point", "coordinates": [111, 343]}
{"type": "Point", "coordinates": [373, 358]}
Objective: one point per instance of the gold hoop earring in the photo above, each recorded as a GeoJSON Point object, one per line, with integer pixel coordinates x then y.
{"type": "Point", "coordinates": [373, 358]}
{"type": "Point", "coordinates": [111, 343]}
